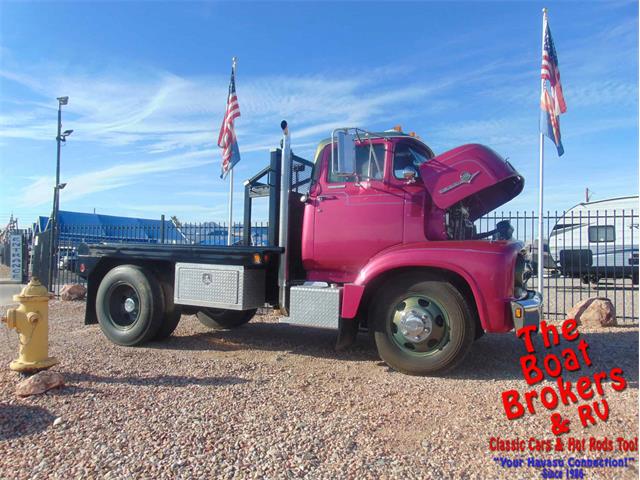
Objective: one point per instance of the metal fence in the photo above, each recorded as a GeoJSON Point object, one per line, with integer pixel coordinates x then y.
{"type": "Point", "coordinates": [586, 254]}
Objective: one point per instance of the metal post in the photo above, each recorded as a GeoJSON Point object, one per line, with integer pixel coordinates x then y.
{"type": "Point", "coordinates": [56, 193]}
{"type": "Point", "coordinates": [283, 235]}
{"type": "Point", "coordinates": [274, 196]}
{"type": "Point", "coordinates": [162, 232]}
{"type": "Point", "coordinates": [246, 228]}
{"type": "Point", "coordinates": [229, 235]}
{"type": "Point", "coordinates": [541, 176]}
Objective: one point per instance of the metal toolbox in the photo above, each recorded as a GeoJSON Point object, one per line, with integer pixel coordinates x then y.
{"type": "Point", "coordinates": [219, 286]}
{"type": "Point", "coordinates": [314, 306]}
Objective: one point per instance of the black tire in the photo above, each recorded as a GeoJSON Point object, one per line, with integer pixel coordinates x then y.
{"type": "Point", "coordinates": [124, 287]}
{"type": "Point", "coordinates": [634, 277]}
{"type": "Point", "coordinates": [172, 313]}
{"type": "Point", "coordinates": [219, 319]}
{"type": "Point", "coordinates": [451, 332]}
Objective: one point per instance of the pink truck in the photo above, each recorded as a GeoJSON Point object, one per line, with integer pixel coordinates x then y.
{"type": "Point", "coordinates": [376, 233]}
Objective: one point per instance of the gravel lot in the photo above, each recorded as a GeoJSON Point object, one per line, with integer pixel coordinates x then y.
{"type": "Point", "coordinates": [562, 293]}
{"type": "Point", "coordinates": [272, 401]}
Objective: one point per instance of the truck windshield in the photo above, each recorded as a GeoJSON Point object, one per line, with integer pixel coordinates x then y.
{"type": "Point", "coordinates": [408, 156]}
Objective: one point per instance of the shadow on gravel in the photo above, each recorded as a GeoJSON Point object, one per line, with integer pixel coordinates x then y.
{"type": "Point", "coordinates": [497, 356]}
{"type": "Point", "coordinates": [313, 342]}
{"type": "Point", "coordinates": [21, 420]}
{"type": "Point", "coordinates": [493, 357]}
{"type": "Point", "coordinates": [156, 381]}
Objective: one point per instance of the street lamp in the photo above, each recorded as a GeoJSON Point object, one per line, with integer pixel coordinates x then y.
{"type": "Point", "coordinates": [53, 239]}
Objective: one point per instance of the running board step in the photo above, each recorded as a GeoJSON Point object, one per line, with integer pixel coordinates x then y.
{"type": "Point", "coordinates": [314, 305]}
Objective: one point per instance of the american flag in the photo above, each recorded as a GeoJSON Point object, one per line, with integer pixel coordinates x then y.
{"type": "Point", "coordinates": [552, 101]}
{"type": "Point", "coordinates": [227, 138]}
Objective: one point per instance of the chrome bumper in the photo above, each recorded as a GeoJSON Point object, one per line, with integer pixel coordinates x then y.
{"type": "Point", "coordinates": [527, 311]}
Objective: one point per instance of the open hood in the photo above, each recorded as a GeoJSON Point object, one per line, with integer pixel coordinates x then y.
{"type": "Point", "coordinates": [473, 173]}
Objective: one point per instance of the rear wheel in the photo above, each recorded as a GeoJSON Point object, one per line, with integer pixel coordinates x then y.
{"type": "Point", "coordinates": [219, 318]}
{"type": "Point", "coordinates": [422, 325]}
{"type": "Point", "coordinates": [129, 305]}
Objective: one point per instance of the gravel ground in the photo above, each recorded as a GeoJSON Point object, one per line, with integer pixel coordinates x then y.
{"type": "Point", "coordinates": [562, 293]}
{"type": "Point", "coordinates": [273, 401]}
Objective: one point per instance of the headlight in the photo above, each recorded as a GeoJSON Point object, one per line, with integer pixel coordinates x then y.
{"type": "Point", "coordinates": [522, 275]}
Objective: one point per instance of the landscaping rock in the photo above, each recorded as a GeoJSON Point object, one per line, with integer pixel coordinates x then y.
{"type": "Point", "coordinates": [594, 312]}
{"type": "Point", "coordinates": [73, 291]}
{"type": "Point", "coordinates": [39, 383]}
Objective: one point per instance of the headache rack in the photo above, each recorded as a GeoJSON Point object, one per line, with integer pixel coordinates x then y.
{"type": "Point", "coordinates": [266, 183]}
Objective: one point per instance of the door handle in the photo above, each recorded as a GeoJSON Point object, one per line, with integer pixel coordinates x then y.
{"type": "Point", "coordinates": [326, 197]}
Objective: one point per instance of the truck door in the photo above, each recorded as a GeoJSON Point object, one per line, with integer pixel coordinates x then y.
{"type": "Point", "coordinates": [355, 217]}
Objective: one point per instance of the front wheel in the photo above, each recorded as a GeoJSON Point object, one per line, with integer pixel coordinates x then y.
{"type": "Point", "coordinates": [422, 325]}
{"type": "Point", "coordinates": [218, 318]}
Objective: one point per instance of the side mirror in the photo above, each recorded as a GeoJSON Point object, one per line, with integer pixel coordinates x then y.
{"type": "Point", "coordinates": [345, 163]}
{"type": "Point", "coordinates": [409, 174]}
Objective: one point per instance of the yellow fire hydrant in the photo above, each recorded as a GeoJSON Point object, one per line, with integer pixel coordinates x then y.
{"type": "Point", "coordinates": [31, 321]}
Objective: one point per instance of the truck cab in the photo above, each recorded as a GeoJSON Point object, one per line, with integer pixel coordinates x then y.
{"type": "Point", "coordinates": [382, 239]}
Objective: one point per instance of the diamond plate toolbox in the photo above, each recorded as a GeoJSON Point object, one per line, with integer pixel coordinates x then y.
{"type": "Point", "coordinates": [314, 307]}
{"type": "Point", "coordinates": [219, 286]}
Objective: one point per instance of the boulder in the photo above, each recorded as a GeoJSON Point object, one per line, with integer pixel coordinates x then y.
{"type": "Point", "coordinates": [73, 291]}
{"type": "Point", "coordinates": [39, 383]}
{"type": "Point", "coordinates": [594, 312]}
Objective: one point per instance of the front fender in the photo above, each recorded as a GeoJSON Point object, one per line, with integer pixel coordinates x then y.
{"type": "Point", "coordinates": [487, 267]}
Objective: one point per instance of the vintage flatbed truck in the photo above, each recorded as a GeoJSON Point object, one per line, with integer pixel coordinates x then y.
{"type": "Point", "coordinates": [375, 233]}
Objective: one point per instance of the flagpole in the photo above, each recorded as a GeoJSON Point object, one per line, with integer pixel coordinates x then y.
{"type": "Point", "coordinates": [541, 176]}
{"type": "Point", "coordinates": [229, 233]}
{"type": "Point", "coordinates": [234, 61]}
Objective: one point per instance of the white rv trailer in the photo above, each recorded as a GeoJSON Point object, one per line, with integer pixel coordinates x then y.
{"type": "Point", "coordinates": [599, 239]}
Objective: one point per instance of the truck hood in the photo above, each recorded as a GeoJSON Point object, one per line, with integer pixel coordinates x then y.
{"type": "Point", "coordinates": [473, 173]}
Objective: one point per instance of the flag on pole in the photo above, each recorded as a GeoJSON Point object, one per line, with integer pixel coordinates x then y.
{"type": "Point", "coordinates": [227, 139]}
{"type": "Point", "coordinates": [552, 102]}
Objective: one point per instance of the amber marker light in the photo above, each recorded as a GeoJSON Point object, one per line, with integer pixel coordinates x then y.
{"type": "Point", "coordinates": [257, 259]}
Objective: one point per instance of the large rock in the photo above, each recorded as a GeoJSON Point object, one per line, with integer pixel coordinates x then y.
{"type": "Point", "coordinates": [73, 291]}
{"type": "Point", "coordinates": [39, 383]}
{"type": "Point", "coordinates": [594, 312]}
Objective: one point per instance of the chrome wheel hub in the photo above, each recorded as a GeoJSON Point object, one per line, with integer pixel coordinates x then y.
{"type": "Point", "coordinates": [416, 325]}
{"type": "Point", "coordinates": [129, 305]}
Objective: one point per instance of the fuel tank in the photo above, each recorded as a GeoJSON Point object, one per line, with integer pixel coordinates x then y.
{"type": "Point", "coordinates": [472, 174]}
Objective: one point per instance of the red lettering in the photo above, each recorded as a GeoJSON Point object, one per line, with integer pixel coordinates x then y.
{"type": "Point", "coordinates": [618, 382]}
{"type": "Point", "coordinates": [571, 361]}
{"type": "Point", "coordinates": [584, 412]}
{"type": "Point", "coordinates": [547, 365]}
{"type": "Point", "coordinates": [582, 346]}
{"type": "Point", "coordinates": [584, 388]}
{"type": "Point", "coordinates": [512, 407]}
{"type": "Point", "coordinates": [566, 394]}
{"type": "Point", "coordinates": [568, 328]}
{"type": "Point", "coordinates": [527, 333]}
{"type": "Point", "coordinates": [604, 415]}
{"type": "Point", "coordinates": [598, 377]}
{"type": "Point", "coordinates": [532, 374]}
{"type": "Point", "coordinates": [545, 330]}
{"type": "Point", "coordinates": [549, 404]}
{"type": "Point", "coordinates": [529, 396]}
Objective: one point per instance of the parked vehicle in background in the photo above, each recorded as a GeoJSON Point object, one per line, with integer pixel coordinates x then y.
{"type": "Point", "coordinates": [68, 257]}
{"type": "Point", "coordinates": [532, 249]}
{"type": "Point", "coordinates": [596, 240]}
{"type": "Point", "coordinates": [381, 237]}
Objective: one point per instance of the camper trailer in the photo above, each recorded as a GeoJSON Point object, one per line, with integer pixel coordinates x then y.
{"type": "Point", "coordinates": [596, 240]}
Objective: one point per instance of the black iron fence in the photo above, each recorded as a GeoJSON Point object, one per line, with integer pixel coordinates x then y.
{"type": "Point", "coordinates": [585, 254]}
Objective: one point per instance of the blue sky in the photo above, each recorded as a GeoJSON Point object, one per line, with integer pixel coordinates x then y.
{"type": "Point", "coordinates": [147, 84]}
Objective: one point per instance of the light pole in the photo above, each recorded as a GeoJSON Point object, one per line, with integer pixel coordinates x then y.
{"type": "Point", "coordinates": [60, 138]}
